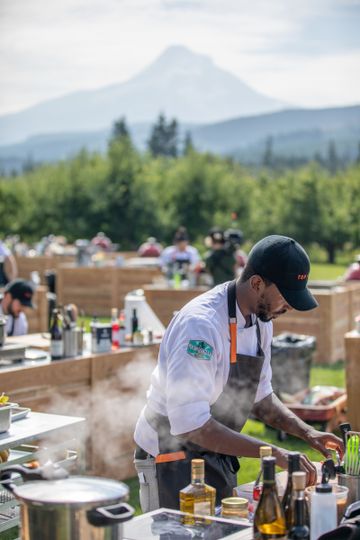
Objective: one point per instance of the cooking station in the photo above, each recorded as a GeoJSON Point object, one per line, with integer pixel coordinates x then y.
{"type": "Point", "coordinates": [39, 436]}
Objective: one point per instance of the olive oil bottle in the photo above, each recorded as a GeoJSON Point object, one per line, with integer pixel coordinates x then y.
{"type": "Point", "coordinates": [197, 499]}
{"type": "Point", "coordinates": [269, 519]}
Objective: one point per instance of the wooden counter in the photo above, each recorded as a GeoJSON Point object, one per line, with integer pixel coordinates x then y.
{"type": "Point", "coordinates": [96, 290]}
{"type": "Point", "coordinates": [328, 323]}
{"type": "Point", "coordinates": [352, 367]}
{"type": "Point", "coordinates": [164, 301]}
{"type": "Point", "coordinates": [109, 390]}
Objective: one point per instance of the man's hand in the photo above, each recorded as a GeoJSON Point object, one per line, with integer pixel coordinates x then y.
{"type": "Point", "coordinates": [325, 442]}
{"type": "Point", "coordinates": [305, 465]}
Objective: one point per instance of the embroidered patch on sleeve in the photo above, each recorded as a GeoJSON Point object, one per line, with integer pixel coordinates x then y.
{"type": "Point", "coordinates": [200, 349]}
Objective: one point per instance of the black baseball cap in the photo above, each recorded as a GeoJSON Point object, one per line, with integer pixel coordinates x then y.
{"type": "Point", "coordinates": [284, 262]}
{"type": "Point", "coordinates": [21, 290]}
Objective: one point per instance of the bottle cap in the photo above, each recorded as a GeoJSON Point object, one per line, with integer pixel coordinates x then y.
{"type": "Point", "coordinates": [294, 461]}
{"type": "Point", "coordinates": [268, 464]}
{"type": "Point", "coordinates": [299, 480]}
{"type": "Point", "coordinates": [197, 468]}
{"type": "Point", "coordinates": [235, 502]}
{"type": "Point", "coordinates": [323, 488]}
{"type": "Point", "coordinates": [265, 451]}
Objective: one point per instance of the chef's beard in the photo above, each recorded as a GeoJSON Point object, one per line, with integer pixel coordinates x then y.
{"type": "Point", "coordinates": [264, 312]}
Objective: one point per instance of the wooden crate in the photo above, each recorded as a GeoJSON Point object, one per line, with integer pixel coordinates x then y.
{"type": "Point", "coordinates": [165, 301]}
{"type": "Point", "coordinates": [40, 264]}
{"type": "Point", "coordinates": [96, 290]}
{"type": "Point", "coordinates": [352, 366]}
{"type": "Point", "coordinates": [328, 323]}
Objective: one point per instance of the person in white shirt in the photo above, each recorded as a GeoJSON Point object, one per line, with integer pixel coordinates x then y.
{"type": "Point", "coordinates": [17, 295]}
{"type": "Point", "coordinates": [181, 254]}
{"type": "Point", "coordinates": [214, 370]}
{"type": "Point", "coordinates": [8, 266]}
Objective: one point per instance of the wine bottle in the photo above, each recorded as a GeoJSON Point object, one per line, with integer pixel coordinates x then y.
{"type": "Point", "coordinates": [263, 452]}
{"type": "Point", "coordinates": [134, 324]}
{"type": "Point", "coordinates": [269, 519]}
{"type": "Point", "coordinates": [299, 530]}
{"type": "Point", "coordinates": [56, 337]}
{"type": "Point", "coordinates": [197, 499]}
{"type": "Point", "coordinates": [293, 466]}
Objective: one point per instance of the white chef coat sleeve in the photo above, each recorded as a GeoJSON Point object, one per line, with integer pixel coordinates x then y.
{"type": "Point", "coordinates": [192, 358]}
{"type": "Point", "coordinates": [21, 325]}
{"type": "Point", "coordinates": [265, 387]}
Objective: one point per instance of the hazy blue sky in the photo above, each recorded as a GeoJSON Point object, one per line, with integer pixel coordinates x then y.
{"type": "Point", "coordinates": [305, 52]}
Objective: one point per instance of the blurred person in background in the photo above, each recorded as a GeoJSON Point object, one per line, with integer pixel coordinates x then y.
{"type": "Point", "coordinates": [101, 242]}
{"type": "Point", "coordinates": [150, 248]}
{"type": "Point", "coordinates": [17, 295]}
{"type": "Point", "coordinates": [180, 257]}
{"type": "Point", "coordinates": [353, 272]}
{"type": "Point", "coordinates": [220, 259]}
{"type": "Point", "coordinates": [235, 238]}
{"type": "Point", "coordinates": [8, 266]}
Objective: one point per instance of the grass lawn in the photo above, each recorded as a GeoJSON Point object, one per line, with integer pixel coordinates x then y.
{"type": "Point", "coordinates": [323, 271]}
{"type": "Point", "coordinates": [325, 375]}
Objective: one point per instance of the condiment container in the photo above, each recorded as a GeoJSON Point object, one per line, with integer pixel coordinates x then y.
{"type": "Point", "coordinates": [234, 508]}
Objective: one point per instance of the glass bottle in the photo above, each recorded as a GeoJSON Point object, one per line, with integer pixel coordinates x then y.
{"type": "Point", "coordinates": [122, 328]}
{"type": "Point", "coordinates": [115, 329]}
{"type": "Point", "coordinates": [299, 530]}
{"type": "Point", "coordinates": [293, 466]}
{"type": "Point", "coordinates": [269, 519]}
{"type": "Point", "coordinates": [197, 499]}
{"type": "Point", "coordinates": [56, 337]}
{"type": "Point", "coordinates": [134, 324]}
{"type": "Point", "coordinates": [263, 452]}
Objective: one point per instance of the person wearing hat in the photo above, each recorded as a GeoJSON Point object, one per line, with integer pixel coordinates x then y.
{"type": "Point", "coordinates": [220, 259]}
{"type": "Point", "coordinates": [214, 370]}
{"type": "Point", "coordinates": [17, 295]}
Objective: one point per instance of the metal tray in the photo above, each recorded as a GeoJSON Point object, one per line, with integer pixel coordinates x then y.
{"type": "Point", "coordinates": [17, 413]}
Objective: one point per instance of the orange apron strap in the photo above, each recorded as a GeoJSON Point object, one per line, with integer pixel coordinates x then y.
{"type": "Point", "coordinates": [172, 456]}
{"type": "Point", "coordinates": [233, 330]}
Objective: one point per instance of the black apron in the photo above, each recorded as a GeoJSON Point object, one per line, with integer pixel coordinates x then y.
{"type": "Point", "coordinates": [232, 409]}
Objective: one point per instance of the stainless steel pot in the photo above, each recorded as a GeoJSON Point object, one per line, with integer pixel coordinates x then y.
{"type": "Point", "coordinates": [57, 507]}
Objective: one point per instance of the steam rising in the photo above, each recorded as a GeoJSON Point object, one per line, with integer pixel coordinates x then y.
{"type": "Point", "coordinates": [113, 405]}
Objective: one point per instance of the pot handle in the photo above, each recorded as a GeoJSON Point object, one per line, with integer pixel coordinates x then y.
{"type": "Point", "coordinates": [48, 472]}
{"type": "Point", "coordinates": [110, 515]}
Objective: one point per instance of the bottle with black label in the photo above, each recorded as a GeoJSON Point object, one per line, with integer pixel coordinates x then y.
{"type": "Point", "coordinates": [56, 337]}
{"type": "Point", "coordinates": [299, 529]}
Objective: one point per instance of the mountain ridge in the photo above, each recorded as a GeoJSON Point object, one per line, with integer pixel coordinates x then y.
{"type": "Point", "coordinates": [180, 83]}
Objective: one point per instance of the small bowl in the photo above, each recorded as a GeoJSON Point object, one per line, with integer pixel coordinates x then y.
{"type": "Point", "coordinates": [5, 418]}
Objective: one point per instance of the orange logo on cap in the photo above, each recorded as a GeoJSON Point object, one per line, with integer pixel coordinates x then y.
{"type": "Point", "coordinates": [301, 277]}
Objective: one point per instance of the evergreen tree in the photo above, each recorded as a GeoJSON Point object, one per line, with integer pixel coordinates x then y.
{"type": "Point", "coordinates": [188, 144]}
{"type": "Point", "coordinates": [120, 129]}
{"type": "Point", "coordinates": [164, 138]}
{"type": "Point", "coordinates": [332, 158]}
{"type": "Point", "coordinates": [268, 159]}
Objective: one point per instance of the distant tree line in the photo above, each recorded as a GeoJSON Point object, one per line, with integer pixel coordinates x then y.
{"type": "Point", "coordinates": [130, 195]}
